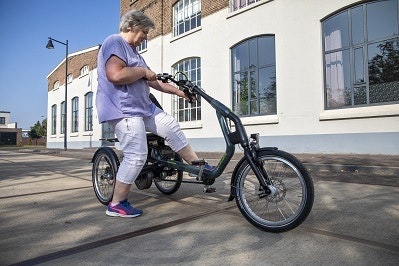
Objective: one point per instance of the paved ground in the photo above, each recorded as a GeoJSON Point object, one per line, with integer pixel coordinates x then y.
{"type": "Point", "coordinates": [49, 215]}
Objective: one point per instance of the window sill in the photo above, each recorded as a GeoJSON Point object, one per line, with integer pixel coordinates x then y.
{"type": "Point", "coordinates": [248, 7]}
{"type": "Point", "coordinates": [74, 134]}
{"type": "Point", "coordinates": [190, 124]}
{"type": "Point", "coordinates": [143, 51]}
{"type": "Point", "coordinates": [360, 112]}
{"type": "Point", "coordinates": [175, 38]}
{"type": "Point", "coordinates": [260, 120]}
{"type": "Point", "coordinates": [88, 133]}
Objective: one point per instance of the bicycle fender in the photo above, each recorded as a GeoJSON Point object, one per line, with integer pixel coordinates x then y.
{"type": "Point", "coordinates": [238, 166]}
{"type": "Point", "coordinates": [108, 151]}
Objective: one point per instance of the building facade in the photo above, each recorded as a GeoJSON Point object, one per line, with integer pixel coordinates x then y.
{"type": "Point", "coordinates": [81, 127]}
{"type": "Point", "coordinates": [308, 77]}
{"type": "Point", "coordinates": [10, 134]}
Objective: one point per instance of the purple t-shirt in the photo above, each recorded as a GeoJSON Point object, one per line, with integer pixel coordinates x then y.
{"type": "Point", "coordinates": [119, 101]}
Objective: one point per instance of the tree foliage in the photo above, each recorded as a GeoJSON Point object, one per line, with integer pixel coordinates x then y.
{"type": "Point", "coordinates": [38, 130]}
{"type": "Point", "coordinates": [384, 67]}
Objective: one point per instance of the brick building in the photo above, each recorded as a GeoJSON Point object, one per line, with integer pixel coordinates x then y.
{"type": "Point", "coordinates": [307, 77]}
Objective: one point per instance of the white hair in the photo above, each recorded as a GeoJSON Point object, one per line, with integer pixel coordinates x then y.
{"type": "Point", "coordinates": [135, 18]}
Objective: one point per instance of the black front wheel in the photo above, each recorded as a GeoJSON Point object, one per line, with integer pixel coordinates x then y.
{"type": "Point", "coordinates": [105, 166]}
{"type": "Point", "coordinates": [288, 200]}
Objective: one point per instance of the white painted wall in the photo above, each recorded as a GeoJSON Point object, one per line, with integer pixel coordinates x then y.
{"type": "Point", "coordinates": [77, 88]}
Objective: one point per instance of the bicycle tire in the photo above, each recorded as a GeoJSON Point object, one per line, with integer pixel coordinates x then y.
{"type": "Point", "coordinates": [280, 211]}
{"type": "Point", "coordinates": [105, 167]}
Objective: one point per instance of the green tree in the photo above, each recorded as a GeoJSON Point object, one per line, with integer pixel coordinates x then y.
{"type": "Point", "coordinates": [38, 130]}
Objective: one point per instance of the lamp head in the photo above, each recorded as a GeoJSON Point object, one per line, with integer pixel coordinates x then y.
{"type": "Point", "coordinates": [50, 44]}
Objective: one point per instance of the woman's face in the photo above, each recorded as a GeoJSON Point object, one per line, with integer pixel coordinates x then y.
{"type": "Point", "coordinates": [137, 36]}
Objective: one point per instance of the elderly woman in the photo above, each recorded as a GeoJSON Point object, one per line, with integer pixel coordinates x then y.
{"type": "Point", "coordinates": [123, 100]}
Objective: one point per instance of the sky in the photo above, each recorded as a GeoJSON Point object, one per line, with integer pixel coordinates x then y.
{"type": "Point", "coordinates": [24, 60]}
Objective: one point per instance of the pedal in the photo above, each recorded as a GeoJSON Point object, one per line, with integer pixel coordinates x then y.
{"type": "Point", "coordinates": [209, 189]}
{"type": "Point", "coordinates": [201, 164]}
{"type": "Point", "coordinates": [198, 162]}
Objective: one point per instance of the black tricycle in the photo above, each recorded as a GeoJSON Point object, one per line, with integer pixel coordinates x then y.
{"type": "Point", "coordinates": [272, 188]}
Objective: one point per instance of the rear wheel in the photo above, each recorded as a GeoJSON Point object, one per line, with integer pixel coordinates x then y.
{"type": "Point", "coordinates": [288, 201]}
{"type": "Point", "coordinates": [105, 166]}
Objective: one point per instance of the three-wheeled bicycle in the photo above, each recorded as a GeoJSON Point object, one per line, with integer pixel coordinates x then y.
{"type": "Point", "coordinates": [272, 188]}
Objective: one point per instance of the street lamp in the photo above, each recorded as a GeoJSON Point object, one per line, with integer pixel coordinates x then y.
{"type": "Point", "coordinates": [51, 46]}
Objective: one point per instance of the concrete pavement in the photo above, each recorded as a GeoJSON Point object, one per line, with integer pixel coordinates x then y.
{"type": "Point", "coordinates": [50, 216]}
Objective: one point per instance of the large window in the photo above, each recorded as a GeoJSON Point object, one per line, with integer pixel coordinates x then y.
{"type": "Point", "coordinates": [361, 55]}
{"type": "Point", "coordinates": [63, 117]}
{"type": "Point", "coordinates": [182, 109]}
{"type": "Point", "coordinates": [254, 77]}
{"type": "Point", "coordinates": [186, 16]}
{"type": "Point", "coordinates": [89, 111]}
{"type": "Point", "coordinates": [238, 4]}
{"type": "Point", "coordinates": [54, 119]}
{"type": "Point", "coordinates": [75, 115]}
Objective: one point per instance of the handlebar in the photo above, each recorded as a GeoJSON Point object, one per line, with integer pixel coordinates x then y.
{"type": "Point", "coordinates": [185, 84]}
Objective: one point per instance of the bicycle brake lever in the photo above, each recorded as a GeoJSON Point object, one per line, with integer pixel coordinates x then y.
{"type": "Point", "coordinates": [191, 96]}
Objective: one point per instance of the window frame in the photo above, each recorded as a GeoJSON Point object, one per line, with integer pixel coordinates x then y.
{"type": "Point", "coordinates": [75, 114]}
{"type": "Point", "coordinates": [250, 74]}
{"type": "Point", "coordinates": [234, 4]}
{"type": "Point", "coordinates": [63, 117]}
{"type": "Point", "coordinates": [185, 24]}
{"type": "Point", "coordinates": [89, 111]}
{"type": "Point", "coordinates": [54, 119]}
{"type": "Point", "coordinates": [181, 108]}
{"type": "Point", "coordinates": [84, 70]}
{"type": "Point", "coordinates": [56, 85]}
{"type": "Point", "coordinates": [69, 78]}
{"type": "Point", "coordinates": [354, 54]}
{"type": "Point", "coordinates": [142, 47]}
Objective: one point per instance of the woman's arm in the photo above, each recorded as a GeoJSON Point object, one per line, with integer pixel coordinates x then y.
{"type": "Point", "coordinates": [120, 74]}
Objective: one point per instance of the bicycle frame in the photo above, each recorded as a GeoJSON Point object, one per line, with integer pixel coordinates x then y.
{"type": "Point", "coordinates": [239, 136]}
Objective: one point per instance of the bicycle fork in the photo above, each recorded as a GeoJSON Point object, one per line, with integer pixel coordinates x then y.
{"type": "Point", "coordinates": [259, 170]}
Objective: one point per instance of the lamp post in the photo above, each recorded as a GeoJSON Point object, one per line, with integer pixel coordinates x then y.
{"type": "Point", "coordinates": [51, 46]}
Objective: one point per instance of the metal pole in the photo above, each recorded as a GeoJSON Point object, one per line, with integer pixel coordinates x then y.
{"type": "Point", "coordinates": [50, 46]}
{"type": "Point", "coordinates": [66, 94]}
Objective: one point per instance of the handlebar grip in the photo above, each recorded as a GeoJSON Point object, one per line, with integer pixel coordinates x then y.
{"type": "Point", "coordinates": [164, 77]}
